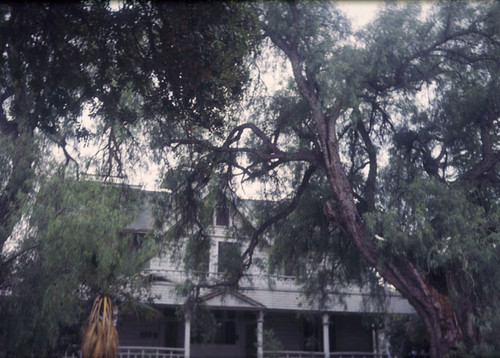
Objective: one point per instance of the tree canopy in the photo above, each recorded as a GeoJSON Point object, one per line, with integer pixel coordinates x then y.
{"type": "Point", "coordinates": [79, 74]}
{"type": "Point", "coordinates": [383, 147]}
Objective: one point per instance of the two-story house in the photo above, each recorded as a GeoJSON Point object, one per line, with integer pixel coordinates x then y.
{"type": "Point", "coordinates": [266, 316]}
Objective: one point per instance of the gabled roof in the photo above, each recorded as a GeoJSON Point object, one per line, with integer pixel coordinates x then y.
{"type": "Point", "coordinates": [233, 298]}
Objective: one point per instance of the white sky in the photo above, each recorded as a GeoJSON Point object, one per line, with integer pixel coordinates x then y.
{"type": "Point", "coordinates": [359, 12]}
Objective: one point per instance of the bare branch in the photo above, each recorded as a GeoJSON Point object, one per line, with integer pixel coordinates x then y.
{"type": "Point", "coordinates": [247, 256]}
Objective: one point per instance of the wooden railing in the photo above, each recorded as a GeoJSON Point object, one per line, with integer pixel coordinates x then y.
{"type": "Point", "coordinates": [150, 352]}
{"type": "Point", "coordinates": [302, 354]}
{"type": "Point", "coordinates": [144, 352]}
{"type": "Point", "coordinates": [164, 352]}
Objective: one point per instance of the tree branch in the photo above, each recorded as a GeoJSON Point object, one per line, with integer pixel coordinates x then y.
{"type": "Point", "coordinates": [490, 158]}
{"type": "Point", "coordinates": [371, 181]}
{"type": "Point", "coordinates": [247, 256]}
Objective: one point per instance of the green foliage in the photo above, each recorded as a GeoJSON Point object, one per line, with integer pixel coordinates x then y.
{"type": "Point", "coordinates": [407, 335]}
{"type": "Point", "coordinates": [272, 343]}
{"type": "Point", "coordinates": [176, 66]}
{"type": "Point", "coordinates": [184, 60]}
{"type": "Point", "coordinates": [409, 116]}
{"type": "Point", "coordinates": [172, 71]}
{"type": "Point", "coordinates": [71, 249]}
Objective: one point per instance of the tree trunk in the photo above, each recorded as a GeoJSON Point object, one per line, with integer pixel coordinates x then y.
{"type": "Point", "coordinates": [433, 307]}
{"type": "Point", "coordinates": [21, 149]}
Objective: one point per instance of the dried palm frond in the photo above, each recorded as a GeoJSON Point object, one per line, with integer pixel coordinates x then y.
{"type": "Point", "coordinates": [99, 335]}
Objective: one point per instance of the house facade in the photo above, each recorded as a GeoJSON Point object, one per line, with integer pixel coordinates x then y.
{"type": "Point", "coordinates": [266, 316]}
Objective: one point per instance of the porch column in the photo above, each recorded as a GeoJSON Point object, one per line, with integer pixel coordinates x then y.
{"type": "Point", "coordinates": [260, 335]}
{"type": "Point", "coordinates": [376, 349]}
{"type": "Point", "coordinates": [187, 335]}
{"type": "Point", "coordinates": [326, 335]}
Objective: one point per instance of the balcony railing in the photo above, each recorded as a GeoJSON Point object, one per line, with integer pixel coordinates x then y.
{"type": "Point", "coordinates": [249, 280]}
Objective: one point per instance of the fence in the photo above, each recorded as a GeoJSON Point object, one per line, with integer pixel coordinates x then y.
{"type": "Point", "coordinates": [144, 352]}
{"type": "Point", "coordinates": [300, 354]}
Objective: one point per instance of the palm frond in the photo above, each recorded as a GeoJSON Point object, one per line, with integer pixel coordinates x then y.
{"type": "Point", "coordinates": [99, 334]}
{"type": "Point", "coordinates": [138, 309]}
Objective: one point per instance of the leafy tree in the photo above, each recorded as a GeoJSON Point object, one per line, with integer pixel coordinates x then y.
{"type": "Point", "coordinates": [415, 221]}
{"type": "Point", "coordinates": [42, 88]}
{"type": "Point", "coordinates": [73, 248]}
{"type": "Point", "coordinates": [179, 63]}
{"type": "Point", "coordinates": [426, 221]}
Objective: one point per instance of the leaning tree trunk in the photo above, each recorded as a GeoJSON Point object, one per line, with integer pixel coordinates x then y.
{"type": "Point", "coordinates": [99, 335]}
{"type": "Point", "coordinates": [433, 307]}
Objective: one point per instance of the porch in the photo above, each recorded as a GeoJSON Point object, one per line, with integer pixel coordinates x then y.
{"type": "Point", "coordinates": [166, 352]}
{"type": "Point", "coordinates": [250, 334]}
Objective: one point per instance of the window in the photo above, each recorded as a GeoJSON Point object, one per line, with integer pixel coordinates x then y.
{"type": "Point", "coordinates": [228, 257]}
{"type": "Point", "coordinates": [138, 239]}
{"type": "Point", "coordinates": [222, 216]}
{"type": "Point", "coordinates": [135, 239]}
{"type": "Point", "coordinates": [289, 268]}
{"type": "Point", "coordinates": [197, 256]}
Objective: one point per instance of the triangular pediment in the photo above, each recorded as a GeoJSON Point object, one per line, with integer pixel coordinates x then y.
{"type": "Point", "coordinates": [233, 299]}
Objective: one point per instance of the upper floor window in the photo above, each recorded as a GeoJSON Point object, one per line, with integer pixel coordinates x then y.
{"type": "Point", "coordinates": [228, 257]}
{"type": "Point", "coordinates": [135, 239]}
{"type": "Point", "coordinates": [288, 268]}
{"type": "Point", "coordinates": [197, 256]}
{"type": "Point", "coordinates": [222, 216]}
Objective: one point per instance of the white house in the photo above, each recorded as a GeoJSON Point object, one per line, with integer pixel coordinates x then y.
{"type": "Point", "coordinates": [267, 316]}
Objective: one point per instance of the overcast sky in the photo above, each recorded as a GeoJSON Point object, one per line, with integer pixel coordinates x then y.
{"type": "Point", "coordinates": [360, 12]}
